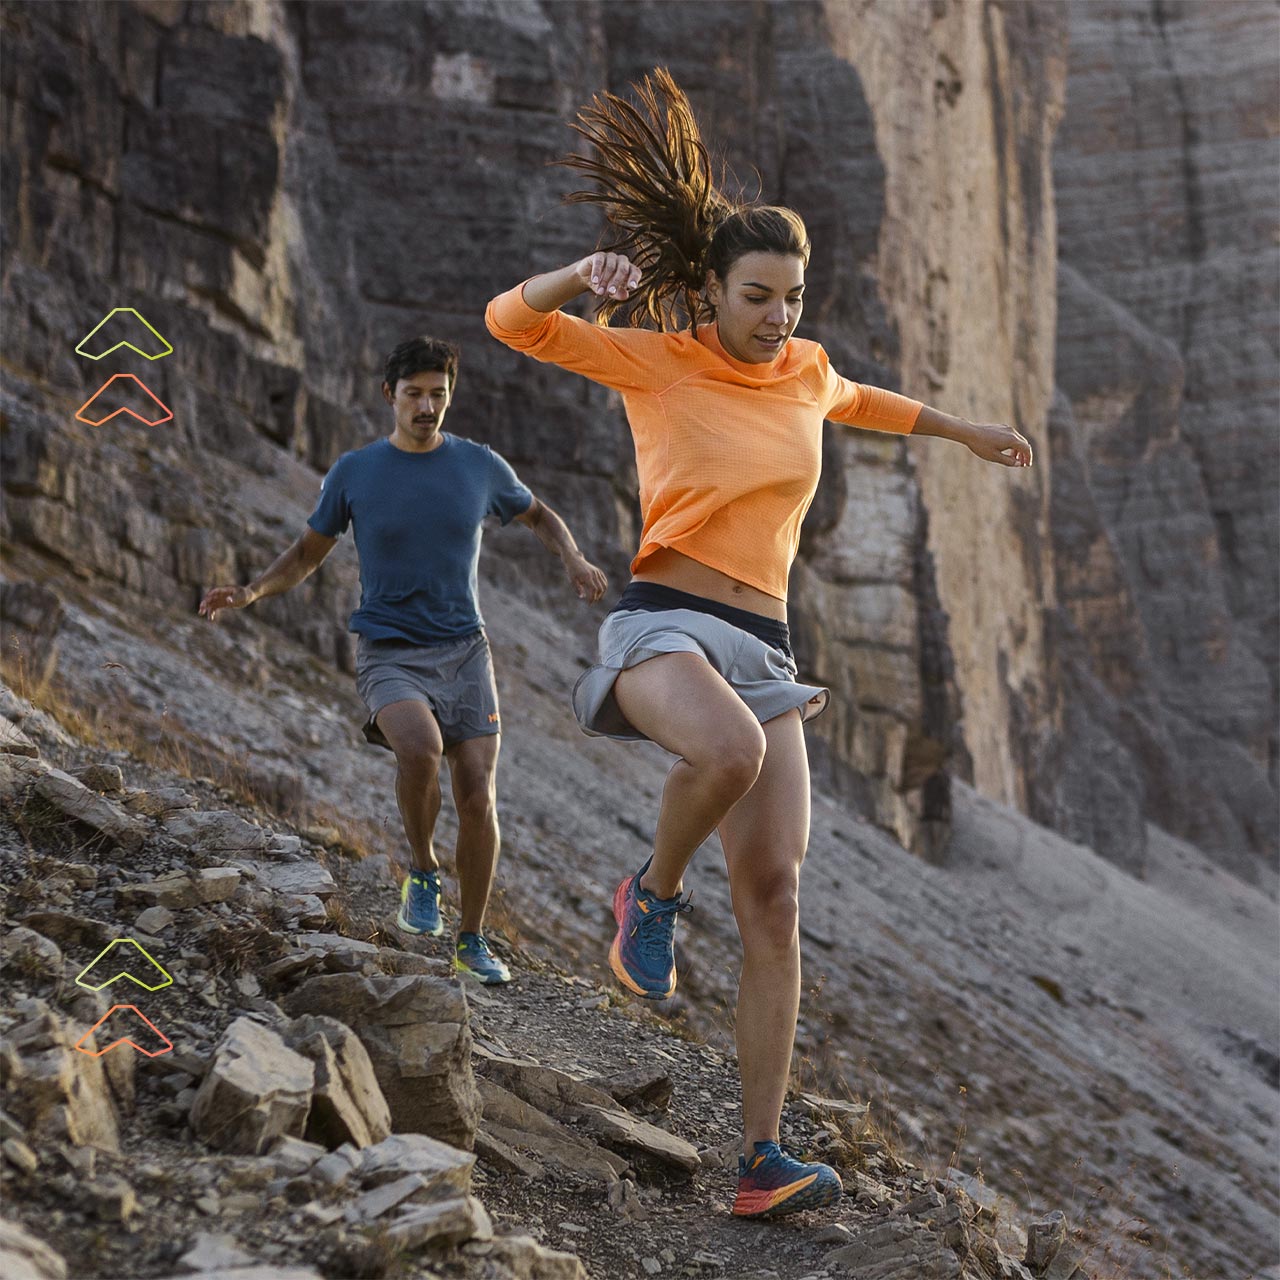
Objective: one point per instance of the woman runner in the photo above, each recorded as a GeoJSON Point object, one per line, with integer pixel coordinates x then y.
{"type": "Point", "coordinates": [727, 421]}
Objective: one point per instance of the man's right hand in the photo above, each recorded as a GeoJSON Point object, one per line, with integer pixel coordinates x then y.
{"type": "Point", "coordinates": [218, 598]}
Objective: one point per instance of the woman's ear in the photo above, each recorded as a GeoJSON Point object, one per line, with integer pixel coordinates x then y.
{"type": "Point", "coordinates": [713, 288]}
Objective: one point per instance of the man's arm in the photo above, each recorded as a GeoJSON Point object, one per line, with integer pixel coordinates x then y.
{"type": "Point", "coordinates": [289, 569]}
{"type": "Point", "coordinates": [588, 581]}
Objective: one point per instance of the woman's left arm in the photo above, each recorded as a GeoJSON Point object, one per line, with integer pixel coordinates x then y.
{"type": "Point", "coordinates": [992, 442]}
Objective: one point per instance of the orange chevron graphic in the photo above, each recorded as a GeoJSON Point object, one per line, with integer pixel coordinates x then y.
{"type": "Point", "coordinates": [166, 412]}
{"type": "Point", "coordinates": [125, 1039]}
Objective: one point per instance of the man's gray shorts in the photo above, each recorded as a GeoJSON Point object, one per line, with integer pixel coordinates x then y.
{"type": "Point", "coordinates": [454, 678]}
{"type": "Point", "coordinates": [762, 676]}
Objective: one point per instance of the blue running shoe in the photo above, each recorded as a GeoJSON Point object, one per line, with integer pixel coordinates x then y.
{"type": "Point", "coordinates": [643, 955]}
{"type": "Point", "coordinates": [420, 904]}
{"type": "Point", "coordinates": [773, 1183]}
{"type": "Point", "coordinates": [474, 957]}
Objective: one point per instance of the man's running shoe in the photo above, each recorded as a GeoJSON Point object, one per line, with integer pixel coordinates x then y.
{"type": "Point", "coordinates": [474, 957]}
{"type": "Point", "coordinates": [773, 1183]}
{"type": "Point", "coordinates": [643, 956]}
{"type": "Point", "coordinates": [420, 904]}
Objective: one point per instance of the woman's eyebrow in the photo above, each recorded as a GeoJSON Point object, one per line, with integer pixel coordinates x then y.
{"type": "Point", "coordinates": [755, 284]}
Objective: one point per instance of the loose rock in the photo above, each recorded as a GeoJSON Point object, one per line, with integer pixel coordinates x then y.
{"type": "Point", "coordinates": [81, 805]}
{"type": "Point", "coordinates": [417, 1033]}
{"type": "Point", "coordinates": [24, 1257]}
{"type": "Point", "coordinates": [256, 1090]}
{"type": "Point", "coordinates": [182, 889]}
{"type": "Point", "coordinates": [347, 1104]}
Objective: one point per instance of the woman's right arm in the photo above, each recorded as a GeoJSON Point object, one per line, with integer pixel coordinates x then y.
{"type": "Point", "coordinates": [606, 274]}
{"type": "Point", "coordinates": [528, 319]}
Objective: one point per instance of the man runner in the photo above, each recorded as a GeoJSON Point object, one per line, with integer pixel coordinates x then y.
{"type": "Point", "coordinates": [417, 500]}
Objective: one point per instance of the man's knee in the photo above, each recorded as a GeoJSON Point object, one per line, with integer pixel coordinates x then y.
{"type": "Point", "coordinates": [418, 756]}
{"type": "Point", "coordinates": [476, 797]}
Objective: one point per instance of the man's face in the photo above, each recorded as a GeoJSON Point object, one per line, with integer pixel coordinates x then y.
{"type": "Point", "coordinates": [420, 402]}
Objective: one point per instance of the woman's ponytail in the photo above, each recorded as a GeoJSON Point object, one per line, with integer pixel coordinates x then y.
{"type": "Point", "coordinates": [658, 191]}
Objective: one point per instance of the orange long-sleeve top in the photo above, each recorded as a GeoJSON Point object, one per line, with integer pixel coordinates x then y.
{"type": "Point", "coordinates": [728, 453]}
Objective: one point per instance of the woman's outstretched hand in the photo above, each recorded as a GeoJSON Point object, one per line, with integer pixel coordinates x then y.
{"type": "Point", "coordinates": [998, 443]}
{"type": "Point", "coordinates": [610, 275]}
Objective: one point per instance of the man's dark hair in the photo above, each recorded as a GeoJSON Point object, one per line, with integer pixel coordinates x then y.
{"type": "Point", "coordinates": [422, 355]}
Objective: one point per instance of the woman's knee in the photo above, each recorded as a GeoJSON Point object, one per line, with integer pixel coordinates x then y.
{"type": "Point", "coordinates": [768, 912]}
{"type": "Point", "coordinates": [734, 761]}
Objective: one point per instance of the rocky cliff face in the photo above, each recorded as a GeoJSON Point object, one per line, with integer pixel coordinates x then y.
{"type": "Point", "coordinates": [1163, 436]}
{"type": "Point", "coordinates": [287, 190]}
{"type": "Point", "coordinates": [291, 190]}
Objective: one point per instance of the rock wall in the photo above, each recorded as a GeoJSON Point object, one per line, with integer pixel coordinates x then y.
{"type": "Point", "coordinates": [291, 190]}
{"type": "Point", "coordinates": [967, 98]}
{"type": "Point", "coordinates": [1164, 433]}
{"type": "Point", "coordinates": [285, 191]}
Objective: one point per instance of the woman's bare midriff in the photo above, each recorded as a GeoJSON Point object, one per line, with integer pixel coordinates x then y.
{"type": "Point", "coordinates": [671, 569]}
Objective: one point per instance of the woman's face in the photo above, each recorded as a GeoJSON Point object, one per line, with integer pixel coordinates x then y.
{"type": "Point", "coordinates": [758, 304]}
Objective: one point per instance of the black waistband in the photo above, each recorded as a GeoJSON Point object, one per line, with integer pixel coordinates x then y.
{"type": "Point", "coordinates": [652, 597]}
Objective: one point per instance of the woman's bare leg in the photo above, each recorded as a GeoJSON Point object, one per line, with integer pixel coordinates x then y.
{"type": "Point", "coordinates": [680, 702]}
{"type": "Point", "coordinates": [764, 837]}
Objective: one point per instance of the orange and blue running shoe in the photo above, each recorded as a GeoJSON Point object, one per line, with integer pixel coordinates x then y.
{"type": "Point", "coordinates": [773, 1183]}
{"type": "Point", "coordinates": [643, 956]}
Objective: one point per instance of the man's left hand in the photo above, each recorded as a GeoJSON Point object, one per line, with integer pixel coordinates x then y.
{"type": "Point", "coordinates": [588, 581]}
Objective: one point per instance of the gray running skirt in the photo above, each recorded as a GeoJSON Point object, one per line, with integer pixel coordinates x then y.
{"type": "Point", "coordinates": [762, 676]}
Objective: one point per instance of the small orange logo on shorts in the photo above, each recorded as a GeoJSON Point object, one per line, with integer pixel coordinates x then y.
{"type": "Point", "coordinates": [493, 717]}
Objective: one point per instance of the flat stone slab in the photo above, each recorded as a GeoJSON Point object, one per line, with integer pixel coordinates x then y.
{"type": "Point", "coordinates": [216, 832]}
{"type": "Point", "coordinates": [591, 1109]}
{"type": "Point", "coordinates": [81, 805]}
{"type": "Point", "coordinates": [14, 742]}
{"type": "Point", "coordinates": [442, 1167]}
{"type": "Point", "coordinates": [303, 879]}
{"type": "Point", "coordinates": [182, 889]}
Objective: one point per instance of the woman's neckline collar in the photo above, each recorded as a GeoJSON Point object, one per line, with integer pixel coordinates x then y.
{"type": "Point", "coordinates": [709, 336]}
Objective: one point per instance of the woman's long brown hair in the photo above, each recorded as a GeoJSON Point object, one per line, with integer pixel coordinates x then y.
{"type": "Point", "coordinates": [658, 191]}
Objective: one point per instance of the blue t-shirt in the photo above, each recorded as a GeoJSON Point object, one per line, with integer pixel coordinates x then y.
{"type": "Point", "coordinates": [417, 529]}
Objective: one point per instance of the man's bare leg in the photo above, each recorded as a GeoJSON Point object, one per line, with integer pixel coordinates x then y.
{"type": "Point", "coordinates": [411, 729]}
{"type": "Point", "coordinates": [473, 766]}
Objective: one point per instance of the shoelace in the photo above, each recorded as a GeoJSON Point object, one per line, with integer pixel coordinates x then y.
{"type": "Point", "coordinates": [657, 926]}
{"type": "Point", "coordinates": [480, 946]}
{"type": "Point", "coordinates": [778, 1152]}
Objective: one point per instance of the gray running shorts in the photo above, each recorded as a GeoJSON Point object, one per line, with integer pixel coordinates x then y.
{"type": "Point", "coordinates": [762, 676]}
{"type": "Point", "coordinates": [454, 678]}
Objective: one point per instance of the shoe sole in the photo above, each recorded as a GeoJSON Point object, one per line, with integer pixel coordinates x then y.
{"type": "Point", "coordinates": [485, 981]}
{"type": "Point", "coordinates": [615, 951]}
{"type": "Point", "coordinates": [405, 927]}
{"type": "Point", "coordinates": [817, 1195]}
